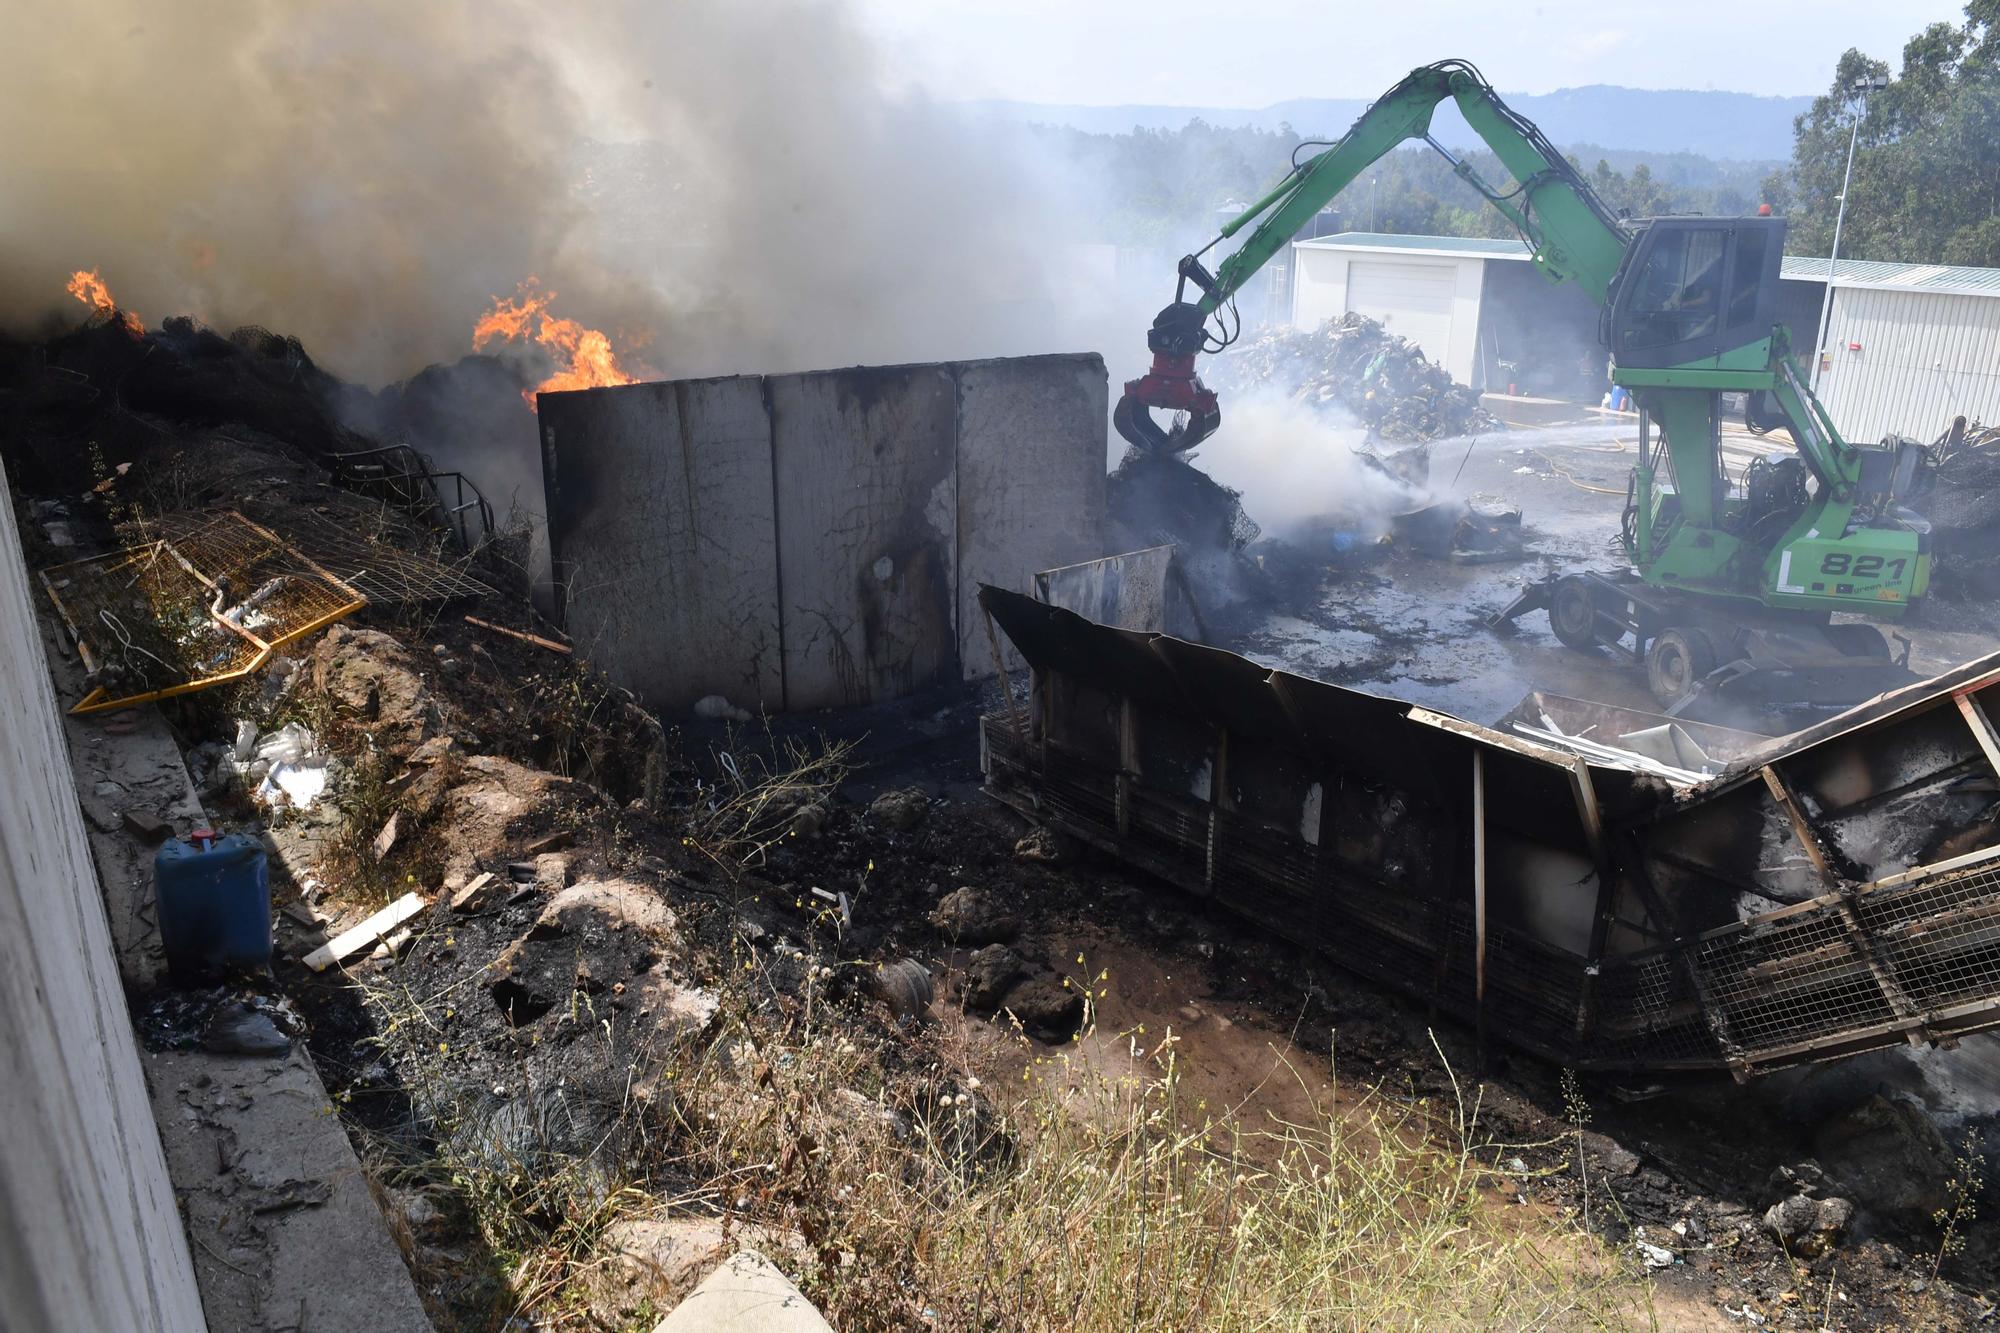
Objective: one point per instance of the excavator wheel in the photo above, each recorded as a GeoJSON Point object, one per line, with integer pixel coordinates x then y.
{"type": "Point", "coordinates": [1859, 641]}
{"type": "Point", "coordinates": [1573, 614]}
{"type": "Point", "coordinates": [1677, 662]}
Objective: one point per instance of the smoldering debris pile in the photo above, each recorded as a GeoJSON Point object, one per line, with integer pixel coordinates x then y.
{"type": "Point", "coordinates": [1160, 499]}
{"type": "Point", "coordinates": [183, 371]}
{"type": "Point", "coordinates": [1347, 372]}
{"type": "Point", "coordinates": [1356, 364]}
{"type": "Point", "coordinates": [1964, 511]}
{"type": "Point", "coordinates": [187, 372]}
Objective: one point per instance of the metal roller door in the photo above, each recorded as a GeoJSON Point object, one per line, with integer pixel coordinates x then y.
{"type": "Point", "coordinates": [1411, 299]}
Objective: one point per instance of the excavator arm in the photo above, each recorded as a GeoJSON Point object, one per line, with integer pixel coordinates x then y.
{"type": "Point", "coordinates": [1571, 235]}
{"type": "Point", "coordinates": [1744, 574]}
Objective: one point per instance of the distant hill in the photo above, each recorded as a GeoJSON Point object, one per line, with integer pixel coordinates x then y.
{"type": "Point", "coordinates": [1724, 126]}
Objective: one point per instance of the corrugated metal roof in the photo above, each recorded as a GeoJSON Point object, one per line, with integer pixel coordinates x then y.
{"type": "Point", "coordinates": [1874, 273]}
{"type": "Point", "coordinates": [1478, 247]}
{"type": "Point", "coordinates": [1897, 277]}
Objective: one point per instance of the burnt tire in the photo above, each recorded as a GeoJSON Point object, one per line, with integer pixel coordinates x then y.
{"type": "Point", "coordinates": [1573, 613]}
{"type": "Point", "coordinates": [1863, 641]}
{"type": "Point", "coordinates": [905, 985]}
{"type": "Point", "coordinates": [1677, 662]}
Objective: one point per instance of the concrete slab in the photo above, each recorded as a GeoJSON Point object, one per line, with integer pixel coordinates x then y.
{"type": "Point", "coordinates": [816, 540]}
{"type": "Point", "coordinates": [864, 466]}
{"type": "Point", "coordinates": [664, 535]}
{"type": "Point", "coordinates": [119, 773]}
{"type": "Point", "coordinates": [89, 1236]}
{"type": "Point", "coordinates": [746, 1294]}
{"type": "Point", "coordinates": [286, 1231]}
{"type": "Point", "coordinates": [1030, 480]}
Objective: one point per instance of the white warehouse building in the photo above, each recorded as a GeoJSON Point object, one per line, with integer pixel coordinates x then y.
{"type": "Point", "coordinates": [1429, 289]}
{"type": "Point", "coordinates": [1908, 347]}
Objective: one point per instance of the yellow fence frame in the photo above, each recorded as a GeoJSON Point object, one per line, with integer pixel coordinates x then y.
{"type": "Point", "coordinates": [100, 699]}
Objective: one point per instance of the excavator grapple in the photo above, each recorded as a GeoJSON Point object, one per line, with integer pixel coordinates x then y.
{"type": "Point", "coordinates": [1177, 335]}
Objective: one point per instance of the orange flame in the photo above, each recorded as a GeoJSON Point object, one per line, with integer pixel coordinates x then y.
{"type": "Point", "coordinates": [583, 356]}
{"type": "Point", "coordinates": [88, 287]}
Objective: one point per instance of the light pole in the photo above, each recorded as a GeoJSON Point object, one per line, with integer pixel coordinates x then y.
{"type": "Point", "coordinates": [1371, 201]}
{"type": "Point", "coordinates": [1860, 88]}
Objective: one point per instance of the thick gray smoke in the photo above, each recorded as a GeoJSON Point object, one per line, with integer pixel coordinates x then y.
{"type": "Point", "coordinates": [361, 174]}
{"type": "Point", "coordinates": [721, 183]}
{"type": "Point", "coordinates": [1297, 466]}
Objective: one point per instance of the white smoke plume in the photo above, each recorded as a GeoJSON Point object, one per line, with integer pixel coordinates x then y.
{"type": "Point", "coordinates": [1297, 466]}
{"type": "Point", "coordinates": [723, 184]}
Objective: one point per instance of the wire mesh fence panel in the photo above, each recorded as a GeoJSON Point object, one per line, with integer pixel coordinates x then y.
{"type": "Point", "coordinates": [141, 619]}
{"type": "Point", "coordinates": [382, 558]}
{"type": "Point", "coordinates": [386, 570]}
{"type": "Point", "coordinates": [1168, 825]}
{"type": "Point", "coordinates": [171, 617]}
{"type": "Point", "coordinates": [1797, 978]}
{"type": "Point", "coordinates": [1269, 877]}
{"type": "Point", "coordinates": [1647, 1013]}
{"type": "Point", "coordinates": [1941, 935]}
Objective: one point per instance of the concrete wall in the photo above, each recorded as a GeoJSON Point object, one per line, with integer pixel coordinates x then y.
{"type": "Point", "coordinates": [1030, 482]}
{"type": "Point", "coordinates": [668, 520]}
{"type": "Point", "coordinates": [89, 1235]}
{"type": "Point", "coordinates": [864, 464]}
{"type": "Point", "coordinates": [1924, 357]}
{"type": "Point", "coordinates": [815, 541]}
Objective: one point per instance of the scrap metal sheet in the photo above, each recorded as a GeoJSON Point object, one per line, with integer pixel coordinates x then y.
{"type": "Point", "coordinates": [1129, 591]}
{"type": "Point", "coordinates": [1831, 893]}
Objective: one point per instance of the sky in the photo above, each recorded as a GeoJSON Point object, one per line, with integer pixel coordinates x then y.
{"type": "Point", "coordinates": [1256, 52]}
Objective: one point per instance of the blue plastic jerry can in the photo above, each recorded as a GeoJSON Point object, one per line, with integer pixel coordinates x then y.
{"type": "Point", "coordinates": [214, 896]}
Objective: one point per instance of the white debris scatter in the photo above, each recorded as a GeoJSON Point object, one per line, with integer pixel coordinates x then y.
{"type": "Point", "coordinates": [717, 708]}
{"type": "Point", "coordinates": [287, 766]}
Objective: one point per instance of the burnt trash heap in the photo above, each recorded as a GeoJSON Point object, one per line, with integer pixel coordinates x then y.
{"type": "Point", "coordinates": [1356, 364]}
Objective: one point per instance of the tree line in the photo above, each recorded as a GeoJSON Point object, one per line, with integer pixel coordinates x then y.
{"type": "Point", "coordinates": [1926, 183]}
{"type": "Point", "coordinates": [1171, 187]}
{"type": "Point", "coordinates": [1926, 186]}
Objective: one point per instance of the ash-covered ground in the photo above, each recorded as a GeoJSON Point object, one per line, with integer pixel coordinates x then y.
{"type": "Point", "coordinates": [1392, 621]}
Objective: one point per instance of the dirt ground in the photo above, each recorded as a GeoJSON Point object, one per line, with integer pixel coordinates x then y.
{"type": "Point", "coordinates": [1263, 1027]}
{"type": "Point", "coordinates": [647, 919]}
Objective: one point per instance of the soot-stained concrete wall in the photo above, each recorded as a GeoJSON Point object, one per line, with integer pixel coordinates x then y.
{"type": "Point", "coordinates": [89, 1235]}
{"type": "Point", "coordinates": [662, 497]}
{"type": "Point", "coordinates": [816, 540]}
{"type": "Point", "coordinates": [863, 461]}
{"type": "Point", "coordinates": [1030, 481]}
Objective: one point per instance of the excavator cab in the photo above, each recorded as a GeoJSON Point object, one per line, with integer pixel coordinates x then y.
{"type": "Point", "coordinates": [1697, 294]}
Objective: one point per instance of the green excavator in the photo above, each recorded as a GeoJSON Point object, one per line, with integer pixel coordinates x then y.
{"type": "Point", "coordinates": [1731, 587]}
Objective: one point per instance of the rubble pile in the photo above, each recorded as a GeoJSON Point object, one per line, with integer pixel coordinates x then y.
{"type": "Point", "coordinates": [1167, 499]}
{"type": "Point", "coordinates": [1964, 511]}
{"type": "Point", "coordinates": [1356, 364]}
